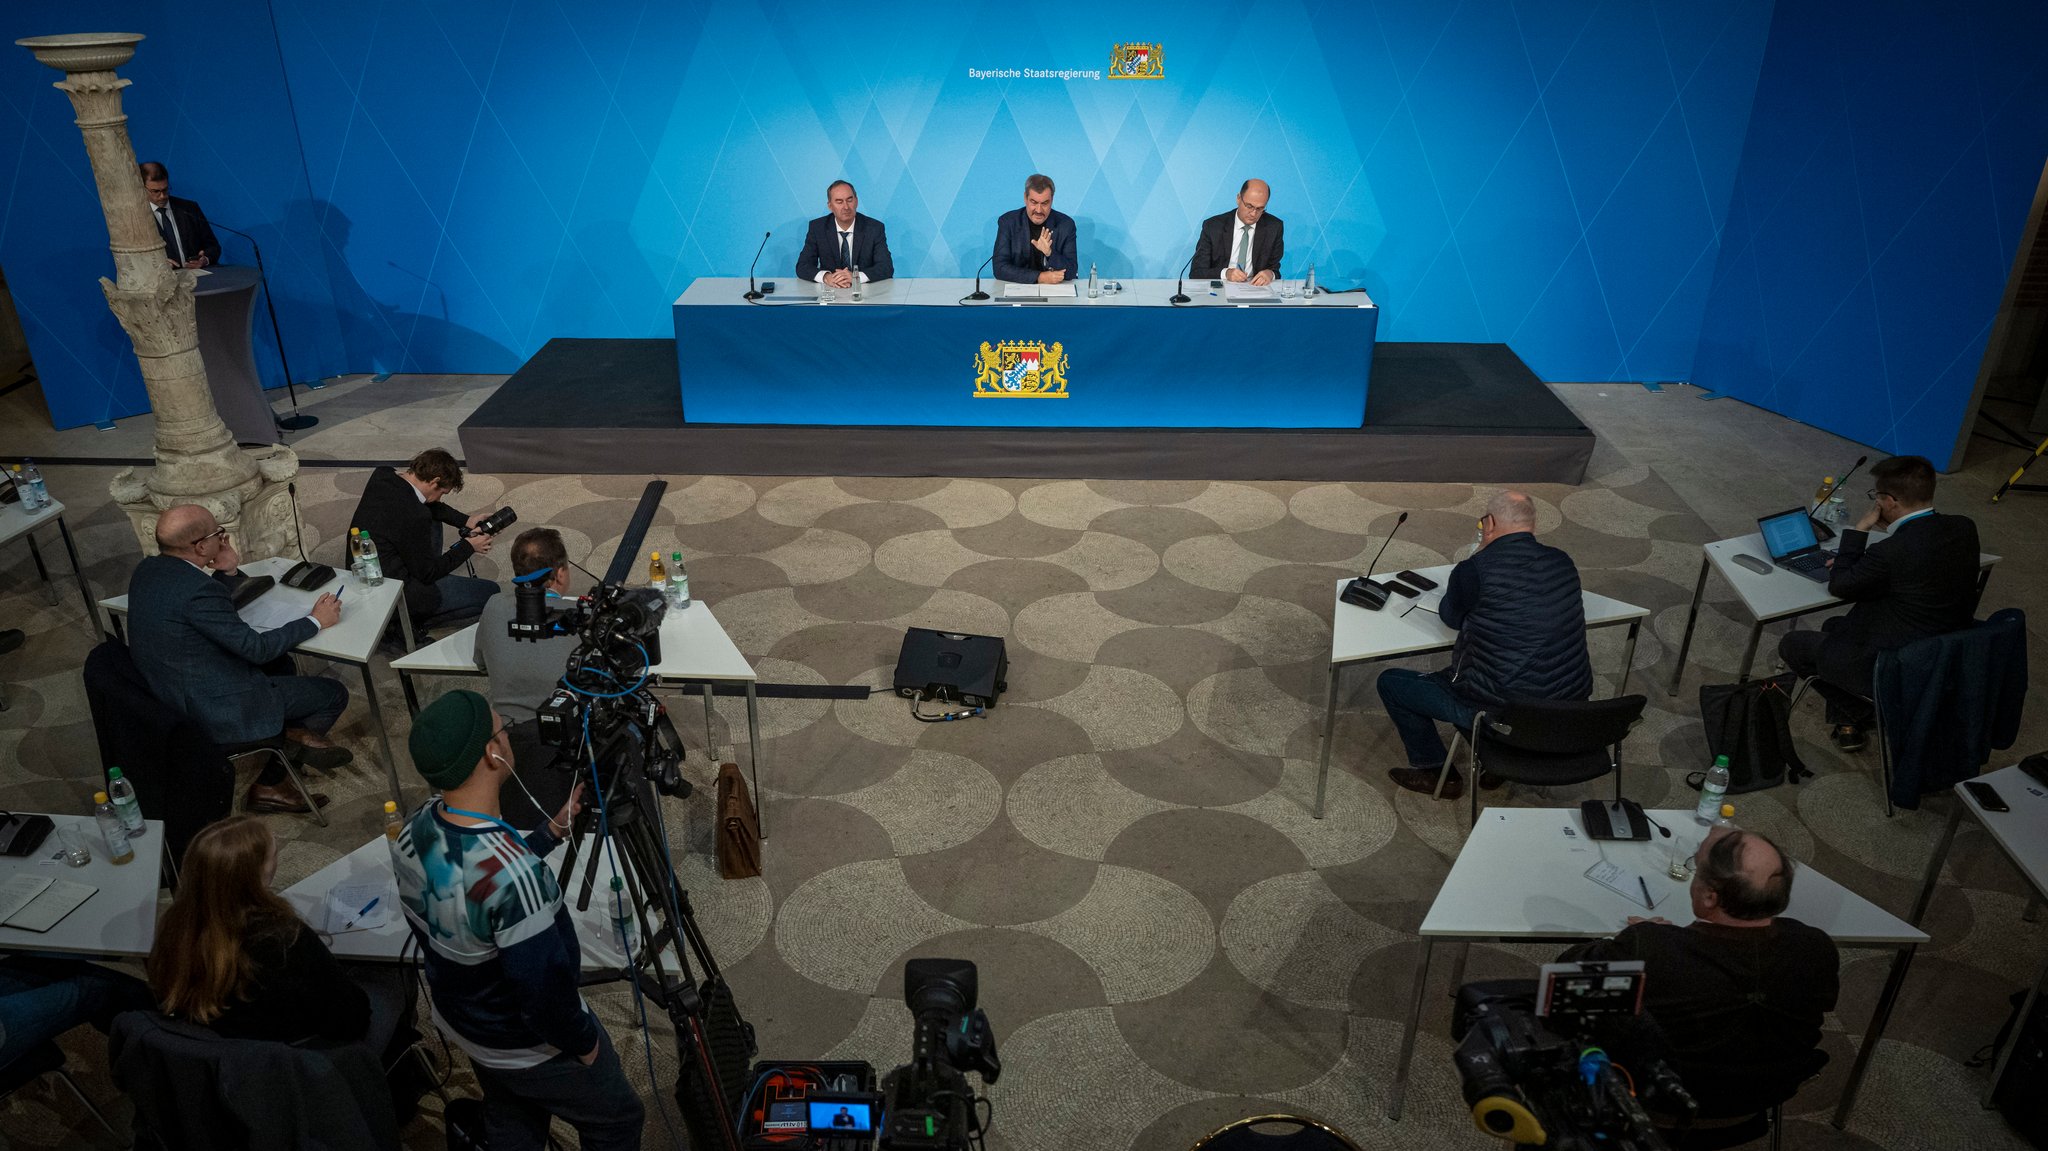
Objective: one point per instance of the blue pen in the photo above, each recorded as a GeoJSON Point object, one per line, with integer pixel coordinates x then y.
{"type": "Point", "coordinates": [358, 915]}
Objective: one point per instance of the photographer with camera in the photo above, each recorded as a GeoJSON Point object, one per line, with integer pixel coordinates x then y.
{"type": "Point", "coordinates": [524, 673]}
{"type": "Point", "coordinates": [403, 513]}
{"type": "Point", "coordinates": [500, 951]}
{"type": "Point", "coordinates": [1740, 992]}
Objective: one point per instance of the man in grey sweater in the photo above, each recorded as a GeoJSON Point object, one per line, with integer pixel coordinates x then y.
{"type": "Point", "coordinates": [524, 673]}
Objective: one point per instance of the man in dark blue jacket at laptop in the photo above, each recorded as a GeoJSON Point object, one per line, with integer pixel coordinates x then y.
{"type": "Point", "coordinates": [1521, 624]}
{"type": "Point", "coordinates": [1918, 581]}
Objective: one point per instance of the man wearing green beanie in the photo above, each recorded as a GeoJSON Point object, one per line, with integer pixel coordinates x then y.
{"type": "Point", "coordinates": [500, 950]}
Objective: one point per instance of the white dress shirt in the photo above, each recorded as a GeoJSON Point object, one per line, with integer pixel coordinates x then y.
{"type": "Point", "coordinates": [834, 254]}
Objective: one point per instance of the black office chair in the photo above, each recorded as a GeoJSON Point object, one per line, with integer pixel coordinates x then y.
{"type": "Point", "coordinates": [1546, 742]}
{"type": "Point", "coordinates": [46, 1059]}
{"type": "Point", "coordinates": [1275, 1133]}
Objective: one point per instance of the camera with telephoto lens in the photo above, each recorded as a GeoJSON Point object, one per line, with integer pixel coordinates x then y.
{"type": "Point", "coordinates": [498, 521]}
{"type": "Point", "coordinates": [603, 713]}
{"type": "Point", "coordinates": [1534, 1060]}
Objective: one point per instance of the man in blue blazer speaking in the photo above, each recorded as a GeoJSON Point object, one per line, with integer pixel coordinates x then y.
{"type": "Point", "coordinates": [1034, 244]}
{"type": "Point", "coordinates": [844, 240]}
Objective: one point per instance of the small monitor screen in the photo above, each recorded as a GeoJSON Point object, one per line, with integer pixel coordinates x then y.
{"type": "Point", "coordinates": [1787, 532]}
{"type": "Point", "coordinates": [854, 1117]}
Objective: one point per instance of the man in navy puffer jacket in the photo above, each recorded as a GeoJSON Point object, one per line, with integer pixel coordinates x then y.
{"type": "Point", "coordinates": [1521, 634]}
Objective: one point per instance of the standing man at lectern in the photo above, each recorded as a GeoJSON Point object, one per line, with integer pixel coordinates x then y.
{"type": "Point", "coordinates": [188, 238]}
{"type": "Point", "coordinates": [1034, 244]}
{"type": "Point", "coordinates": [1242, 245]}
{"type": "Point", "coordinates": [843, 240]}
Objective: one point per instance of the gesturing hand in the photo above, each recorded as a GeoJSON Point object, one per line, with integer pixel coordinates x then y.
{"type": "Point", "coordinates": [1043, 242]}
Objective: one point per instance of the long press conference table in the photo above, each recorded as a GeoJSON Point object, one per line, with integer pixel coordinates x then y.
{"type": "Point", "coordinates": [912, 353]}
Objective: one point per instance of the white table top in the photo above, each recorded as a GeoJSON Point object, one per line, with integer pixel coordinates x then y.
{"type": "Point", "coordinates": [371, 864]}
{"type": "Point", "coordinates": [947, 291]}
{"type": "Point", "coordinates": [1520, 875]}
{"type": "Point", "coordinates": [1778, 593]}
{"type": "Point", "coordinates": [693, 646]}
{"type": "Point", "coordinates": [119, 919]}
{"type": "Point", "coordinates": [15, 523]}
{"type": "Point", "coordinates": [365, 611]}
{"type": "Point", "coordinates": [1394, 630]}
{"type": "Point", "coordinates": [2021, 833]}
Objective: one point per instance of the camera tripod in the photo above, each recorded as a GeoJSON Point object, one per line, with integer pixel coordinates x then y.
{"type": "Point", "coordinates": [714, 1045]}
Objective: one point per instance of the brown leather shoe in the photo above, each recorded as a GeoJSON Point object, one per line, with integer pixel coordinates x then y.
{"type": "Point", "coordinates": [1423, 781]}
{"type": "Point", "coordinates": [281, 799]}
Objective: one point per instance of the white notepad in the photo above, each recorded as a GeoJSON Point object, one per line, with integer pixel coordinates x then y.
{"type": "Point", "coordinates": [1038, 291]}
{"type": "Point", "coordinates": [47, 903]}
{"type": "Point", "coordinates": [1622, 882]}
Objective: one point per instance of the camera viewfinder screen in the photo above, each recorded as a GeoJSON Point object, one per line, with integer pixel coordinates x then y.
{"type": "Point", "coordinates": [841, 1117]}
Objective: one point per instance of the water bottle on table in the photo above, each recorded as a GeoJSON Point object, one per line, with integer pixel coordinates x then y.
{"type": "Point", "coordinates": [372, 569]}
{"type": "Point", "coordinates": [656, 574]}
{"type": "Point", "coordinates": [1712, 790]}
{"type": "Point", "coordinates": [37, 490]}
{"type": "Point", "coordinates": [122, 794]}
{"type": "Point", "coordinates": [1094, 285]}
{"type": "Point", "coordinates": [856, 283]}
{"type": "Point", "coordinates": [678, 582]}
{"type": "Point", "coordinates": [118, 849]}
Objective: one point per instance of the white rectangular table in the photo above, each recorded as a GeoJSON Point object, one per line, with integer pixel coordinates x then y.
{"type": "Point", "coordinates": [694, 651]}
{"type": "Point", "coordinates": [2022, 834]}
{"type": "Point", "coordinates": [18, 524]}
{"type": "Point", "coordinates": [947, 291]}
{"type": "Point", "coordinates": [119, 919]}
{"type": "Point", "coordinates": [1407, 627]}
{"type": "Point", "coordinates": [365, 613]}
{"type": "Point", "coordinates": [1768, 596]}
{"type": "Point", "coordinates": [1521, 878]}
{"type": "Point", "coordinates": [370, 866]}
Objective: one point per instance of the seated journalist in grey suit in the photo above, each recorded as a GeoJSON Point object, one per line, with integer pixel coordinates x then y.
{"type": "Point", "coordinates": [236, 683]}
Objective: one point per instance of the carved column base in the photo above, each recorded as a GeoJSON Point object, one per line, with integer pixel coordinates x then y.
{"type": "Point", "coordinates": [256, 510]}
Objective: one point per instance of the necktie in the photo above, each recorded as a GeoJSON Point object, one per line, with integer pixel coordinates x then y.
{"type": "Point", "coordinates": [845, 252]}
{"type": "Point", "coordinates": [170, 234]}
{"type": "Point", "coordinates": [1244, 249]}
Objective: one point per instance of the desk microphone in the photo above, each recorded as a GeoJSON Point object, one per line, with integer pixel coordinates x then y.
{"type": "Point", "coordinates": [1823, 530]}
{"type": "Point", "coordinates": [754, 293]}
{"type": "Point", "coordinates": [978, 294]}
{"type": "Point", "coordinates": [1180, 296]}
{"type": "Point", "coordinates": [1364, 591]}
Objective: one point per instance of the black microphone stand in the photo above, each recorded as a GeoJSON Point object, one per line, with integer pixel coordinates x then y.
{"type": "Point", "coordinates": [298, 421]}
{"type": "Point", "coordinates": [1180, 295]}
{"type": "Point", "coordinates": [977, 293]}
{"type": "Point", "coordinates": [754, 293]}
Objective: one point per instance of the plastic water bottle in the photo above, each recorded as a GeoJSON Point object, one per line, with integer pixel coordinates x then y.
{"type": "Point", "coordinates": [678, 583]}
{"type": "Point", "coordinates": [1094, 285]}
{"type": "Point", "coordinates": [1308, 284]}
{"type": "Point", "coordinates": [393, 826]}
{"type": "Point", "coordinates": [36, 490]}
{"type": "Point", "coordinates": [122, 793]}
{"type": "Point", "coordinates": [625, 925]}
{"type": "Point", "coordinates": [1838, 512]}
{"type": "Point", "coordinates": [856, 283]}
{"type": "Point", "coordinates": [656, 574]}
{"type": "Point", "coordinates": [1821, 493]}
{"type": "Point", "coordinates": [118, 849]}
{"type": "Point", "coordinates": [372, 567]}
{"type": "Point", "coordinates": [1712, 789]}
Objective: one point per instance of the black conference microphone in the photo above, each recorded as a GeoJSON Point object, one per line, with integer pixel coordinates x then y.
{"type": "Point", "coordinates": [1364, 591]}
{"type": "Point", "coordinates": [754, 293]}
{"type": "Point", "coordinates": [1820, 529]}
{"type": "Point", "coordinates": [978, 294]}
{"type": "Point", "coordinates": [1180, 296]}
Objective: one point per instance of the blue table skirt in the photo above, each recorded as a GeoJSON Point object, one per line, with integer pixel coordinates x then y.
{"type": "Point", "coordinates": [1274, 366]}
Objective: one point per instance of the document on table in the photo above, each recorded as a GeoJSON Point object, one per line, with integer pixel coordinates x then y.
{"type": "Point", "coordinates": [1038, 291]}
{"type": "Point", "coordinates": [273, 611]}
{"type": "Point", "coordinates": [346, 902]}
{"type": "Point", "coordinates": [33, 903]}
{"type": "Point", "coordinates": [1233, 290]}
{"type": "Point", "coordinates": [1623, 882]}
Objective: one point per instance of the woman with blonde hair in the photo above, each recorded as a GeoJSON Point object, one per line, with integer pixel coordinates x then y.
{"type": "Point", "coordinates": [232, 955]}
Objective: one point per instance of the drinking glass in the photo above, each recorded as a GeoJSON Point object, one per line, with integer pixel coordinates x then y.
{"type": "Point", "coordinates": [77, 849]}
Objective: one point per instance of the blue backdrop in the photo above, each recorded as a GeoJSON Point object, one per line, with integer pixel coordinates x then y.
{"type": "Point", "coordinates": [443, 186]}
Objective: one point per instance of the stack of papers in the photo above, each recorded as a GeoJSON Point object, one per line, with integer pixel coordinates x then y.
{"type": "Point", "coordinates": [34, 903]}
{"type": "Point", "coordinates": [346, 904]}
{"type": "Point", "coordinates": [1244, 291]}
{"type": "Point", "coordinates": [1037, 291]}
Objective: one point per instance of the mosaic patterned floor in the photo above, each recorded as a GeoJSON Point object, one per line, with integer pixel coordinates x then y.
{"type": "Point", "coordinates": [1166, 939]}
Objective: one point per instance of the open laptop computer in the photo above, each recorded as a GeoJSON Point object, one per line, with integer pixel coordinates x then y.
{"type": "Point", "coordinates": [1789, 537]}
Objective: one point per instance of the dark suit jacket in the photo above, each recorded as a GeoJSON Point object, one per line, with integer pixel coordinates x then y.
{"type": "Point", "coordinates": [403, 527]}
{"type": "Point", "coordinates": [1213, 252]}
{"type": "Point", "coordinates": [199, 657]}
{"type": "Point", "coordinates": [1018, 262]}
{"type": "Point", "coordinates": [1919, 581]}
{"type": "Point", "coordinates": [193, 230]}
{"type": "Point", "coordinates": [821, 249]}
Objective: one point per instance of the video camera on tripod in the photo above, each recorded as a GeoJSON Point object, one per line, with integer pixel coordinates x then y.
{"type": "Point", "coordinates": [1534, 1064]}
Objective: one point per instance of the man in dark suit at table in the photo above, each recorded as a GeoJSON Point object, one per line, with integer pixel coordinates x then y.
{"type": "Point", "coordinates": [188, 239]}
{"type": "Point", "coordinates": [1243, 245]}
{"type": "Point", "coordinates": [1034, 244]}
{"type": "Point", "coordinates": [843, 240]}
{"type": "Point", "coordinates": [200, 658]}
{"type": "Point", "coordinates": [404, 514]}
{"type": "Point", "coordinates": [1919, 581]}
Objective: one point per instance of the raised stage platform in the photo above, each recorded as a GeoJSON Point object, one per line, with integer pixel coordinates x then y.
{"type": "Point", "coordinates": [1458, 413]}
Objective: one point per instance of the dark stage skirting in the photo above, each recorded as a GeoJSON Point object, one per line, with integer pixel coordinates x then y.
{"type": "Point", "coordinates": [1456, 413]}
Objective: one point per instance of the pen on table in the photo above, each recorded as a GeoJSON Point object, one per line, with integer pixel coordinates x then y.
{"type": "Point", "coordinates": [1413, 606]}
{"type": "Point", "coordinates": [366, 910]}
{"type": "Point", "coordinates": [1647, 901]}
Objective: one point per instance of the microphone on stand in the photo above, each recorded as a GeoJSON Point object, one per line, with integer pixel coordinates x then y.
{"type": "Point", "coordinates": [1822, 530]}
{"type": "Point", "coordinates": [978, 294]}
{"type": "Point", "coordinates": [754, 293]}
{"type": "Point", "coordinates": [297, 421]}
{"type": "Point", "coordinates": [1365, 591]}
{"type": "Point", "coordinates": [1180, 296]}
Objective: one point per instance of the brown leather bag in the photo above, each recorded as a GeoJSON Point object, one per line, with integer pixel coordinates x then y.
{"type": "Point", "coordinates": [739, 830]}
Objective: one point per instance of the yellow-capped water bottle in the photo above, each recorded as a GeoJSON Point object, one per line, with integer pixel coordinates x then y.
{"type": "Point", "coordinates": [656, 574]}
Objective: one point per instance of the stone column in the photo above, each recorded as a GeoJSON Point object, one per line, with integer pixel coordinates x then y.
{"type": "Point", "coordinates": [197, 460]}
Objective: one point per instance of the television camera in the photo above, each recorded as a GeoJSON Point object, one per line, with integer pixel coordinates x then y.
{"type": "Point", "coordinates": [1534, 1063]}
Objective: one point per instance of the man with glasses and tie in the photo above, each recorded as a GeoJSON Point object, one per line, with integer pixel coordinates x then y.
{"type": "Point", "coordinates": [202, 659]}
{"type": "Point", "coordinates": [188, 238]}
{"type": "Point", "coordinates": [1242, 246]}
{"type": "Point", "coordinates": [844, 240]}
